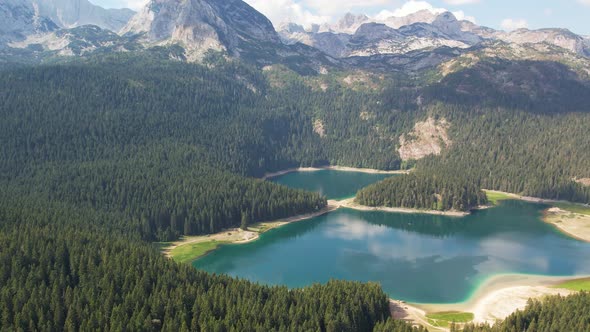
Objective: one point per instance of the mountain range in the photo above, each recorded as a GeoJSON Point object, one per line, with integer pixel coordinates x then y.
{"type": "Point", "coordinates": [189, 30]}
{"type": "Point", "coordinates": [359, 35]}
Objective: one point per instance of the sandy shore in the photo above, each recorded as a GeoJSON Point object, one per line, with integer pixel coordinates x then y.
{"type": "Point", "coordinates": [333, 168]}
{"type": "Point", "coordinates": [350, 204]}
{"type": "Point", "coordinates": [575, 225]}
{"type": "Point", "coordinates": [501, 295]}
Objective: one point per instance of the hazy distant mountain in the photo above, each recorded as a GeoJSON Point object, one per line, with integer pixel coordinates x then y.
{"type": "Point", "coordinates": [76, 41]}
{"type": "Point", "coordinates": [426, 31]}
{"type": "Point", "coordinates": [74, 13]}
{"type": "Point", "coordinates": [19, 18]}
{"type": "Point", "coordinates": [349, 23]}
{"type": "Point", "coordinates": [558, 37]}
{"type": "Point", "coordinates": [359, 35]}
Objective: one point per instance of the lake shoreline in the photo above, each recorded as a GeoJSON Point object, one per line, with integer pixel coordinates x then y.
{"type": "Point", "coordinates": [496, 298]}
{"type": "Point", "coordinates": [572, 224]}
{"type": "Point", "coordinates": [529, 199]}
{"type": "Point", "coordinates": [351, 204]}
{"type": "Point", "coordinates": [240, 236]}
{"type": "Point", "coordinates": [332, 168]}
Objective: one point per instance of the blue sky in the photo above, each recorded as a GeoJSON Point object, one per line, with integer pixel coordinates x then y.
{"type": "Point", "coordinates": [498, 14]}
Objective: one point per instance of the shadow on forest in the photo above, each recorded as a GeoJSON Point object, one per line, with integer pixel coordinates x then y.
{"type": "Point", "coordinates": [534, 86]}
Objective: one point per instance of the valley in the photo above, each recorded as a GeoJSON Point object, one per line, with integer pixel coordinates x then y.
{"type": "Point", "coordinates": [198, 165]}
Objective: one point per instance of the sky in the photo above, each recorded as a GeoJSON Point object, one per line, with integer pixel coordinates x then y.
{"type": "Point", "coordinates": [497, 14]}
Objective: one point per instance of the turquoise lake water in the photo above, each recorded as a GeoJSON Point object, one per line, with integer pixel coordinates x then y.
{"type": "Point", "coordinates": [332, 184]}
{"type": "Point", "coordinates": [416, 257]}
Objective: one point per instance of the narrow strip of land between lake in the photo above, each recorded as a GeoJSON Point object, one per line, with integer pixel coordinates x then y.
{"type": "Point", "coordinates": [351, 204]}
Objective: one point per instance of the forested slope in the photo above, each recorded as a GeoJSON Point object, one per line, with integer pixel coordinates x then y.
{"type": "Point", "coordinates": [71, 269]}
{"type": "Point", "coordinates": [98, 160]}
{"type": "Point", "coordinates": [512, 129]}
{"type": "Point", "coordinates": [100, 157]}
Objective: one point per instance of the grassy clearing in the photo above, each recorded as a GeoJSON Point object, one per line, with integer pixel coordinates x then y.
{"type": "Point", "coordinates": [576, 285]}
{"type": "Point", "coordinates": [191, 251]}
{"type": "Point", "coordinates": [495, 197]}
{"type": "Point", "coordinates": [444, 319]}
{"type": "Point", "coordinates": [573, 207]}
{"type": "Point", "coordinates": [197, 246]}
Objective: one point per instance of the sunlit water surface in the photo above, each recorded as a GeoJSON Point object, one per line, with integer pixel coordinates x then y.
{"type": "Point", "coordinates": [415, 257]}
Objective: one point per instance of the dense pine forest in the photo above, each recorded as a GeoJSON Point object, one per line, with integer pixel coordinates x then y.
{"type": "Point", "coordinates": [72, 269]}
{"type": "Point", "coordinates": [100, 157]}
{"type": "Point", "coordinates": [98, 161]}
{"type": "Point", "coordinates": [424, 191]}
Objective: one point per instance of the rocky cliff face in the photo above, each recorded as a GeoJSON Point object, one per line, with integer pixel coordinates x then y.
{"type": "Point", "coordinates": [19, 19]}
{"type": "Point", "coordinates": [202, 25]}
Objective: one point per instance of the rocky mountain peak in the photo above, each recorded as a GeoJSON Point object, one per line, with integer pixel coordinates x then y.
{"type": "Point", "coordinates": [444, 19]}
{"type": "Point", "coordinates": [559, 37]}
{"type": "Point", "coordinates": [421, 16]}
{"type": "Point", "coordinates": [375, 32]}
{"type": "Point", "coordinates": [291, 27]}
{"type": "Point", "coordinates": [350, 23]}
{"type": "Point", "coordinates": [202, 25]}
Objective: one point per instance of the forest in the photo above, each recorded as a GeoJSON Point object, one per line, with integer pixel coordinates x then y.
{"type": "Point", "coordinates": [66, 269]}
{"type": "Point", "coordinates": [102, 156]}
{"type": "Point", "coordinates": [420, 190]}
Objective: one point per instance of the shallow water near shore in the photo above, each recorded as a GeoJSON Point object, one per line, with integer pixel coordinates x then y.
{"type": "Point", "coordinates": [417, 258]}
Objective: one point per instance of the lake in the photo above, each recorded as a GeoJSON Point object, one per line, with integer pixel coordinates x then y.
{"type": "Point", "coordinates": [330, 183]}
{"type": "Point", "coordinates": [415, 257]}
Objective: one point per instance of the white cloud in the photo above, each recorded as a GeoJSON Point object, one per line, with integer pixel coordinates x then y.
{"type": "Point", "coordinates": [136, 4]}
{"type": "Point", "coordinates": [408, 8]}
{"type": "Point", "coordinates": [279, 11]}
{"type": "Point", "coordinates": [461, 2]}
{"type": "Point", "coordinates": [411, 7]}
{"type": "Point", "coordinates": [460, 15]}
{"type": "Point", "coordinates": [510, 24]}
{"type": "Point", "coordinates": [307, 12]}
{"type": "Point", "coordinates": [338, 7]}
{"type": "Point", "coordinates": [584, 2]}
